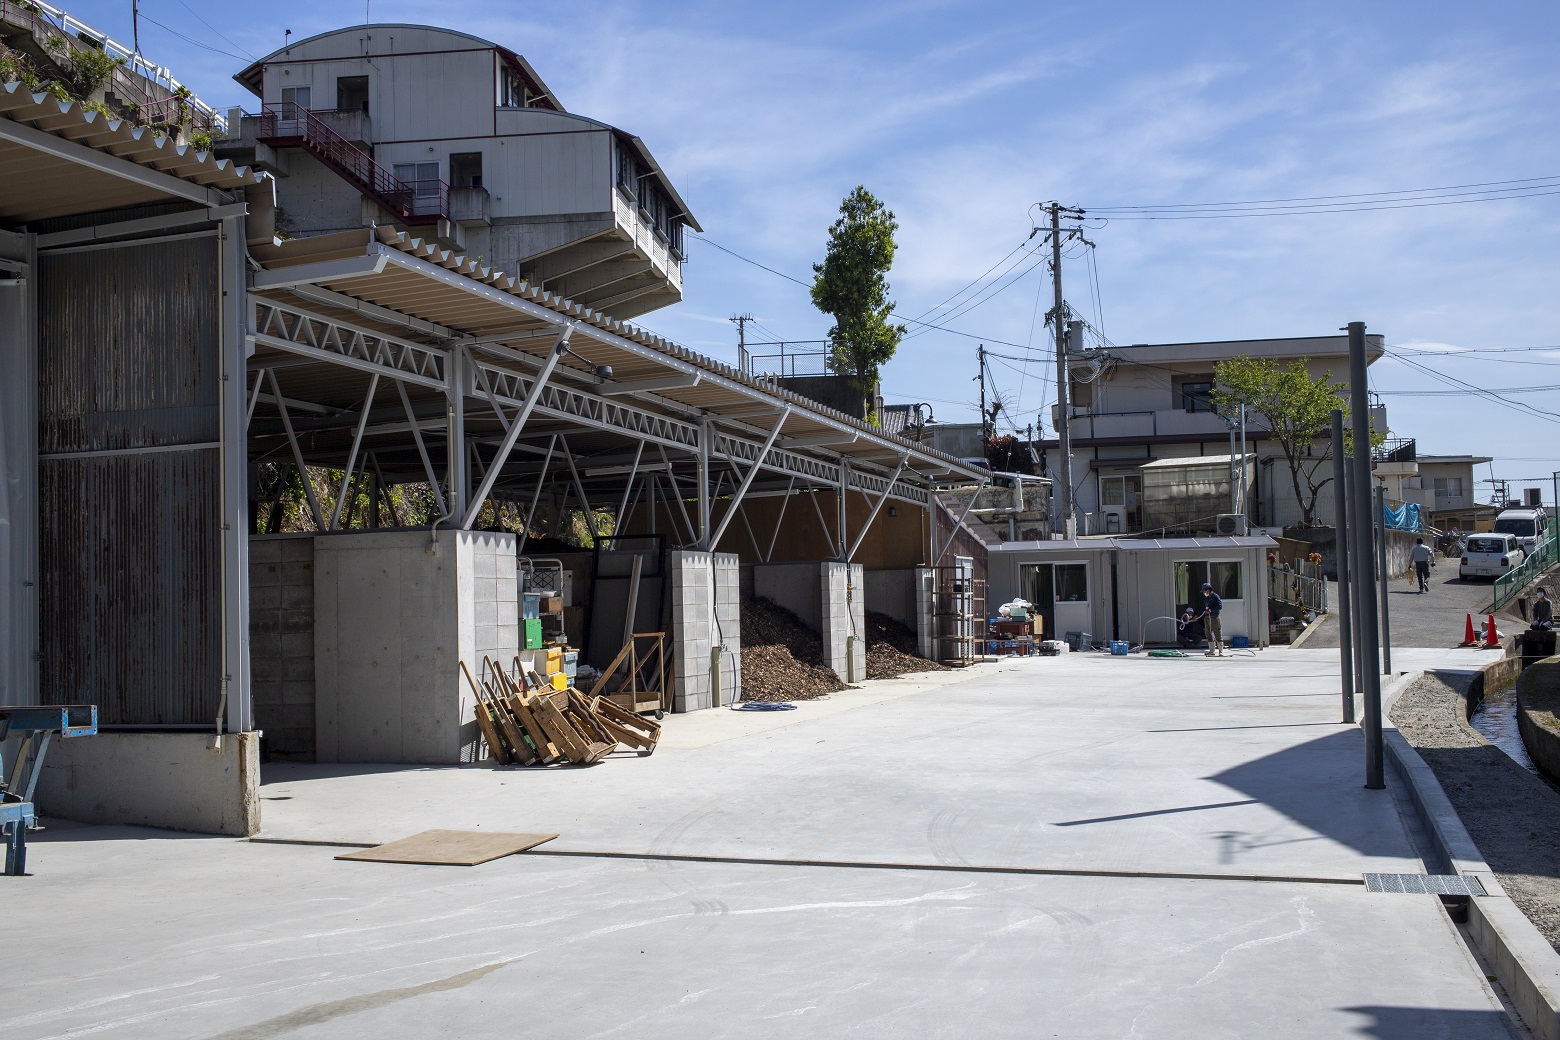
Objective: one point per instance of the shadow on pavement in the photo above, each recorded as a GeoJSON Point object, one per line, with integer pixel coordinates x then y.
{"type": "Point", "coordinates": [1421, 1023]}
{"type": "Point", "coordinates": [1320, 786]}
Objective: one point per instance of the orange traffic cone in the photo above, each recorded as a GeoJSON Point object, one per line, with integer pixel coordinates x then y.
{"type": "Point", "coordinates": [1470, 637]}
{"type": "Point", "coordinates": [1491, 639]}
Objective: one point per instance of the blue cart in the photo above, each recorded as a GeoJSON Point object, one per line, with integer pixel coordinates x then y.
{"type": "Point", "coordinates": [36, 725]}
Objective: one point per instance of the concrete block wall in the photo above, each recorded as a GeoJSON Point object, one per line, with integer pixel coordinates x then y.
{"type": "Point", "coordinates": [925, 607]}
{"type": "Point", "coordinates": [727, 576]}
{"type": "Point", "coordinates": [842, 607]}
{"type": "Point", "coordinates": [693, 629]}
{"type": "Point", "coordinates": [393, 622]}
{"type": "Point", "coordinates": [281, 643]}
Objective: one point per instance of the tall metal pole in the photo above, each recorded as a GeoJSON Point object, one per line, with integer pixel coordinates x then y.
{"type": "Point", "coordinates": [1386, 580]}
{"type": "Point", "coordinates": [1364, 558]}
{"type": "Point", "coordinates": [1341, 553]}
{"type": "Point", "coordinates": [1063, 430]}
{"type": "Point", "coordinates": [980, 377]}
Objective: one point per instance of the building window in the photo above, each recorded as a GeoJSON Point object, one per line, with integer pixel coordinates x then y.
{"type": "Point", "coordinates": [1072, 583]}
{"type": "Point", "coordinates": [1448, 487]}
{"type": "Point", "coordinates": [1190, 575]}
{"type": "Point", "coordinates": [512, 92]}
{"type": "Point", "coordinates": [1197, 397]}
{"type": "Point", "coordinates": [628, 172]}
{"type": "Point", "coordinates": [466, 170]}
{"type": "Point", "coordinates": [352, 93]}
{"type": "Point", "coordinates": [296, 96]}
{"type": "Point", "coordinates": [677, 237]}
{"type": "Point", "coordinates": [423, 177]}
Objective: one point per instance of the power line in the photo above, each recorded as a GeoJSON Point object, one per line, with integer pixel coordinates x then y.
{"type": "Point", "coordinates": [191, 40]}
{"type": "Point", "coordinates": [898, 317]}
{"type": "Point", "coordinates": [1296, 211]}
{"type": "Point", "coordinates": [1490, 395]}
{"type": "Point", "coordinates": [213, 28]}
{"type": "Point", "coordinates": [1544, 181]}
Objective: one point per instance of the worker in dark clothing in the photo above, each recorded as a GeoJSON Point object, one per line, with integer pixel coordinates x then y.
{"type": "Point", "coordinates": [1190, 630]}
{"type": "Point", "coordinates": [1213, 606]}
{"type": "Point", "coordinates": [1543, 612]}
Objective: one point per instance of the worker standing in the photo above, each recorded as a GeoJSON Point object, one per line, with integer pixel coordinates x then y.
{"type": "Point", "coordinates": [1213, 606]}
{"type": "Point", "coordinates": [1423, 556]}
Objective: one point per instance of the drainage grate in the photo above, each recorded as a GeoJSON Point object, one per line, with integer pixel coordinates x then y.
{"type": "Point", "coordinates": [1425, 884]}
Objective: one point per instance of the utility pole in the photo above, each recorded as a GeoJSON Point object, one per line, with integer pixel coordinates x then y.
{"type": "Point", "coordinates": [1346, 667]}
{"type": "Point", "coordinates": [1059, 318]}
{"type": "Point", "coordinates": [742, 354]}
{"type": "Point", "coordinates": [985, 427]}
{"type": "Point", "coordinates": [1366, 635]}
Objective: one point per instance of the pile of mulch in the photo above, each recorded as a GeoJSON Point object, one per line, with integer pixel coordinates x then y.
{"type": "Point", "coordinates": [891, 649]}
{"type": "Point", "coordinates": [782, 659]}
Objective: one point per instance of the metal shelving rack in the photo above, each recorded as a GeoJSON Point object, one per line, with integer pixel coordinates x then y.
{"type": "Point", "coordinates": [958, 615]}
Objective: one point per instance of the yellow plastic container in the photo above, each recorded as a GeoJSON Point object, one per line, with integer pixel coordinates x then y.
{"type": "Point", "coordinates": [560, 681]}
{"type": "Point", "coordinates": [554, 659]}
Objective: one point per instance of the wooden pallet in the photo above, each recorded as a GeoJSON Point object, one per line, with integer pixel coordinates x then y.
{"type": "Point", "coordinates": [525, 721]}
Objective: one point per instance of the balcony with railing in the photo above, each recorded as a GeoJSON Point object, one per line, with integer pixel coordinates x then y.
{"type": "Point", "coordinates": [285, 124]}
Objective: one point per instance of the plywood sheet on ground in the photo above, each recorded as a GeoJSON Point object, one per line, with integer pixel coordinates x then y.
{"type": "Point", "coordinates": [450, 848]}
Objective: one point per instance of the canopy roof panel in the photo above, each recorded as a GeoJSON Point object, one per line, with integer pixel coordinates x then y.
{"type": "Point", "coordinates": [416, 289]}
{"type": "Point", "coordinates": [59, 159]}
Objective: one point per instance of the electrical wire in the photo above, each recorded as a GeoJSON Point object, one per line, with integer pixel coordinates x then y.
{"type": "Point", "coordinates": [191, 40]}
{"type": "Point", "coordinates": [1314, 210]}
{"type": "Point", "coordinates": [213, 28]}
{"type": "Point", "coordinates": [898, 317]}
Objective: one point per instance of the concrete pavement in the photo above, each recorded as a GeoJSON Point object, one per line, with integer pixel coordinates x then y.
{"type": "Point", "coordinates": [988, 819]}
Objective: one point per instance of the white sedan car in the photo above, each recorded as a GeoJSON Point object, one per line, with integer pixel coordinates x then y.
{"type": "Point", "coordinates": [1490, 556]}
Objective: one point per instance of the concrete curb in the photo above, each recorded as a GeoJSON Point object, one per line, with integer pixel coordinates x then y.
{"type": "Point", "coordinates": [1527, 966]}
{"type": "Point", "coordinates": [1312, 627]}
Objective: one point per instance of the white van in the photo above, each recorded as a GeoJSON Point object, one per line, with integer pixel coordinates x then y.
{"type": "Point", "coordinates": [1531, 526]}
{"type": "Point", "coordinates": [1490, 556]}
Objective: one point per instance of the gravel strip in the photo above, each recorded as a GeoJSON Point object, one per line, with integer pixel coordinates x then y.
{"type": "Point", "coordinates": [1512, 815]}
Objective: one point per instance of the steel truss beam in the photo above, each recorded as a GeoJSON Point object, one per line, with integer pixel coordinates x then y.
{"type": "Point", "coordinates": [284, 327]}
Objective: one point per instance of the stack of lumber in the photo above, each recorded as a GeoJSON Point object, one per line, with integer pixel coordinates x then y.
{"type": "Point", "coordinates": [527, 722]}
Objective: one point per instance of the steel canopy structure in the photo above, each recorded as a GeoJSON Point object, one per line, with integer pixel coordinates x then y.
{"type": "Point", "coordinates": [370, 348]}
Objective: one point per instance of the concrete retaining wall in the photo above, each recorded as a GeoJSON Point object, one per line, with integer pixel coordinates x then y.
{"type": "Point", "coordinates": [1400, 544]}
{"type": "Point", "coordinates": [1538, 697]}
{"type": "Point", "coordinates": [281, 643]}
{"type": "Point", "coordinates": [174, 780]}
{"type": "Point", "coordinates": [393, 622]}
{"type": "Point", "coordinates": [892, 592]}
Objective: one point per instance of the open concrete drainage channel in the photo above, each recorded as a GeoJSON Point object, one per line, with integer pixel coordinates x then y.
{"type": "Point", "coordinates": [1522, 959]}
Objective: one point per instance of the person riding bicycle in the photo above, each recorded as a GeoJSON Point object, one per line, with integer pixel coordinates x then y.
{"type": "Point", "coordinates": [1423, 557]}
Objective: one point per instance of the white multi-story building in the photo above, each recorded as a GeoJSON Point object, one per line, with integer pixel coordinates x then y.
{"type": "Point", "coordinates": [1149, 451]}
{"type": "Point", "coordinates": [460, 139]}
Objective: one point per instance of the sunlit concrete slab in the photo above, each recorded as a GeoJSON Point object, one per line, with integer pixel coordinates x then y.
{"type": "Point", "coordinates": [1237, 766]}
{"type": "Point", "coordinates": [145, 934]}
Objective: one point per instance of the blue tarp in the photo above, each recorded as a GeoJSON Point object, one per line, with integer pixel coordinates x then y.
{"type": "Point", "coordinates": [1403, 518]}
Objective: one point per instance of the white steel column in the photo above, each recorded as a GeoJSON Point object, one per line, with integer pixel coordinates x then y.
{"type": "Point", "coordinates": [455, 469]}
{"type": "Point", "coordinates": [237, 712]}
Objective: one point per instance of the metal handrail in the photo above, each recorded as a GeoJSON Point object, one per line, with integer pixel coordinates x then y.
{"type": "Point", "coordinates": [1294, 586]}
{"type": "Point", "coordinates": [38, 12]}
{"type": "Point", "coordinates": [414, 201]}
{"type": "Point", "coordinates": [1515, 580]}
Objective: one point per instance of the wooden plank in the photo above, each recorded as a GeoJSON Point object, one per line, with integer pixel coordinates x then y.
{"type": "Point", "coordinates": [559, 730]}
{"type": "Point", "coordinates": [544, 747]}
{"type": "Point", "coordinates": [450, 848]}
{"type": "Point", "coordinates": [485, 722]}
{"type": "Point", "coordinates": [523, 750]}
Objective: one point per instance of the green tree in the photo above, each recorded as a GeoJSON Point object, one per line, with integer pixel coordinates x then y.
{"type": "Point", "coordinates": [1296, 407]}
{"type": "Point", "coordinates": [851, 286]}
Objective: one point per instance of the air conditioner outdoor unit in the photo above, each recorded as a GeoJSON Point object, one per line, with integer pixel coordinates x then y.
{"type": "Point", "coordinates": [1231, 524]}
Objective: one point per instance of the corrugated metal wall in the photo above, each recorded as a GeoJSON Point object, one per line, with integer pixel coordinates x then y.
{"type": "Point", "coordinates": [130, 553]}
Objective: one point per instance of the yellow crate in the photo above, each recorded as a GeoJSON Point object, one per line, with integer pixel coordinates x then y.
{"type": "Point", "coordinates": [560, 681]}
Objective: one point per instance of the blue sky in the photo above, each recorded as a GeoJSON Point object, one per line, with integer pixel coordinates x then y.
{"type": "Point", "coordinates": [961, 116]}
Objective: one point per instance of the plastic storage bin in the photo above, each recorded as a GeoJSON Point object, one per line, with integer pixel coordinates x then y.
{"type": "Point", "coordinates": [533, 633]}
{"type": "Point", "coordinates": [530, 605]}
{"type": "Point", "coordinates": [1119, 647]}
